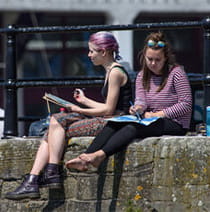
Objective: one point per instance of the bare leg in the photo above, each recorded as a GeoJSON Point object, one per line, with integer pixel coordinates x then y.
{"type": "Point", "coordinates": [42, 157]}
{"type": "Point", "coordinates": [50, 151]}
{"type": "Point", "coordinates": [56, 140]}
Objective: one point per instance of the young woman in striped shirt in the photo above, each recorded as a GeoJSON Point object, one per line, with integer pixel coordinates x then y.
{"type": "Point", "coordinates": [162, 90]}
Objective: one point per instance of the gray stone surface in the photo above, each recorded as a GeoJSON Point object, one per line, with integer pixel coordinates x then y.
{"type": "Point", "coordinates": [162, 173]}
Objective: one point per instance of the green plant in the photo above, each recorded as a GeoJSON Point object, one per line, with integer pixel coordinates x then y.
{"type": "Point", "coordinates": [131, 207]}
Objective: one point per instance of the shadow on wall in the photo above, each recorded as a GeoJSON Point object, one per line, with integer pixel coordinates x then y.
{"type": "Point", "coordinates": [119, 159]}
{"type": "Point", "coordinates": [1, 123]}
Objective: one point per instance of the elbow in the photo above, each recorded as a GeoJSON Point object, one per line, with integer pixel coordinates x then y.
{"type": "Point", "coordinates": [109, 112]}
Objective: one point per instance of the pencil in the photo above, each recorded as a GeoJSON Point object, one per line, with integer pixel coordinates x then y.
{"type": "Point", "coordinates": [137, 113]}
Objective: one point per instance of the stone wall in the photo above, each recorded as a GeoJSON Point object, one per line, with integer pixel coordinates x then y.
{"type": "Point", "coordinates": [164, 174]}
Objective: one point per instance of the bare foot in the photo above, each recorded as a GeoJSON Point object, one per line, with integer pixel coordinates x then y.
{"type": "Point", "coordinates": [94, 159]}
{"type": "Point", "coordinates": [77, 163]}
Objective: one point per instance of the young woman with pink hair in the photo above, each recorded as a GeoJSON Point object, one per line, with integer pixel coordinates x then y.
{"type": "Point", "coordinates": [87, 121]}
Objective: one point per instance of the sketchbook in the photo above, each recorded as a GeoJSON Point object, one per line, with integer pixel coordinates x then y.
{"type": "Point", "coordinates": [132, 118]}
{"type": "Point", "coordinates": [56, 100]}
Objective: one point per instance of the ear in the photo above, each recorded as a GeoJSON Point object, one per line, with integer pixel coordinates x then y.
{"type": "Point", "coordinates": [104, 52]}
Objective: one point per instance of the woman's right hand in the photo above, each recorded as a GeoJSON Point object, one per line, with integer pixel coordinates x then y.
{"type": "Point", "coordinates": [79, 95]}
{"type": "Point", "coordinates": [135, 108]}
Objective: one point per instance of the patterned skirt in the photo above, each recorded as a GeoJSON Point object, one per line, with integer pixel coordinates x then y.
{"type": "Point", "coordinates": [76, 125]}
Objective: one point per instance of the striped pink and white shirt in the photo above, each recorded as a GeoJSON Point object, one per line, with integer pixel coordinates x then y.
{"type": "Point", "coordinates": [175, 99]}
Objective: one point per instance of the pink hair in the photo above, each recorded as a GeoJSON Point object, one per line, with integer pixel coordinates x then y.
{"type": "Point", "coordinates": [106, 40]}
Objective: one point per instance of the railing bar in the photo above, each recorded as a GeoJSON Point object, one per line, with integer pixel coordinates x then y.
{"type": "Point", "coordinates": [73, 83]}
{"type": "Point", "coordinates": [138, 26]}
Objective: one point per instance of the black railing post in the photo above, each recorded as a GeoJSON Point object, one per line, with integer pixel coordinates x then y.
{"type": "Point", "coordinates": [206, 63]}
{"type": "Point", "coordinates": [10, 119]}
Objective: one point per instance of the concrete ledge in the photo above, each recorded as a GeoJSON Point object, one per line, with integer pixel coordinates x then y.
{"type": "Point", "coordinates": [163, 174]}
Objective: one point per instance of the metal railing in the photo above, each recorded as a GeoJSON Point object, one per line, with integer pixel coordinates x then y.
{"type": "Point", "coordinates": [11, 84]}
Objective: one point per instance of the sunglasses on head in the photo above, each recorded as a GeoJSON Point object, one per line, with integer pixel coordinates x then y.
{"type": "Point", "coordinates": [152, 43]}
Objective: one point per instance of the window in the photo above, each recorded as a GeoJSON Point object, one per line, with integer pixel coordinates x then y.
{"type": "Point", "coordinates": [186, 43]}
{"type": "Point", "coordinates": [57, 54]}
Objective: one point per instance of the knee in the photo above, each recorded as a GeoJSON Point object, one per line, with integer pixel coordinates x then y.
{"type": "Point", "coordinates": [130, 128]}
{"type": "Point", "coordinates": [54, 123]}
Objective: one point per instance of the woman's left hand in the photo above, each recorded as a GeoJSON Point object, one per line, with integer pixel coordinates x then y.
{"type": "Point", "coordinates": [155, 114]}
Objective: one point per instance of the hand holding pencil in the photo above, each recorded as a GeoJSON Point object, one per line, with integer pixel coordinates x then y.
{"type": "Point", "coordinates": [134, 110]}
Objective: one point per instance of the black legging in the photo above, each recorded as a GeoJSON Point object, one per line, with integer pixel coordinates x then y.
{"type": "Point", "coordinates": [117, 135]}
